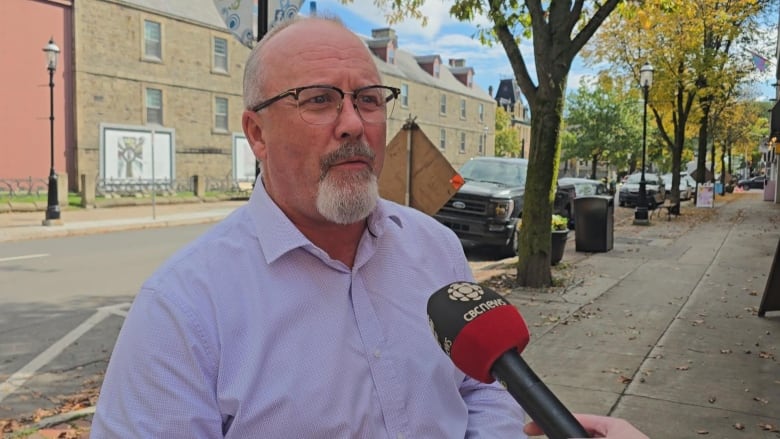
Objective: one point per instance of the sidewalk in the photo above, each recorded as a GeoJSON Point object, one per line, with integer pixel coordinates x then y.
{"type": "Point", "coordinates": [28, 225]}
{"type": "Point", "coordinates": [662, 330]}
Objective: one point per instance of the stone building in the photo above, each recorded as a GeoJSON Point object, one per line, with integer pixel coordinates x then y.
{"type": "Point", "coordinates": [152, 89]}
{"type": "Point", "coordinates": [509, 97]}
{"type": "Point", "coordinates": [452, 111]}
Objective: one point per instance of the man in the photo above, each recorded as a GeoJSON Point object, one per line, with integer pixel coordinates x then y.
{"type": "Point", "coordinates": [303, 314]}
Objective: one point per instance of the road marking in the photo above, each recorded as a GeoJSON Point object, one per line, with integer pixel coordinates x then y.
{"type": "Point", "coordinates": [18, 379]}
{"type": "Point", "coordinates": [19, 258]}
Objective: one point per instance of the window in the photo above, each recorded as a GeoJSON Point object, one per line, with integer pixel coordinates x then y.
{"type": "Point", "coordinates": [154, 106]}
{"type": "Point", "coordinates": [462, 143]}
{"type": "Point", "coordinates": [443, 104]}
{"type": "Point", "coordinates": [462, 108]}
{"type": "Point", "coordinates": [220, 54]}
{"type": "Point", "coordinates": [442, 139]}
{"type": "Point", "coordinates": [152, 40]}
{"type": "Point", "coordinates": [221, 114]}
{"type": "Point", "coordinates": [481, 111]}
{"type": "Point", "coordinates": [436, 69]}
{"type": "Point", "coordinates": [404, 95]}
{"type": "Point", "coordinates": [482, 144]}
{"type": "Point", "coordinates": [390, 55]}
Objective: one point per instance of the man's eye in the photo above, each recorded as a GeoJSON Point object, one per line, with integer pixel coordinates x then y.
{"type": "Point", "coordinates": [370, 99]}
{"type": "Point", "coordinates": [318, 99]}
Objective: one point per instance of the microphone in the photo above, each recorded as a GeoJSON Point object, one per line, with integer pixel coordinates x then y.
{"type": "Point", "coordinates": [483, 335]}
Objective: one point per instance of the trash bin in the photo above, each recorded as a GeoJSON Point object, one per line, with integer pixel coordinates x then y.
{"type": "Point", "coordinates": [719, 188]}
{"type": "Point", "coordinates": [594, 223]}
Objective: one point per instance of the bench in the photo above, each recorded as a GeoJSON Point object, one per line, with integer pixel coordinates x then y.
{"type": "Point", "coordinates": [671, 209]}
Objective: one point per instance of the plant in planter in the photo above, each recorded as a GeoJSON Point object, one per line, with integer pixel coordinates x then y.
{"type": "Point", "coordinates": [560, 233]}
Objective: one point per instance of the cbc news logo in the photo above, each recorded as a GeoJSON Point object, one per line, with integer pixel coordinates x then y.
{"type": "Point", "coordinates": [465, 292]}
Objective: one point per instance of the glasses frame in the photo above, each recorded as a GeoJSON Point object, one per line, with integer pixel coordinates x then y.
{"type": "Point", "coordinates": [295, 92]}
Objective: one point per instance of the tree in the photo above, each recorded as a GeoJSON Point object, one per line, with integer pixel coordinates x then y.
{"type": "Point", "coordinates": [688, 43]}
{"type": "Point", "coordinates": [507, 141]}
{"type": "Point", "coordinates": [558, 30]}
{"type": "Point", "coordinates": [605, 119]}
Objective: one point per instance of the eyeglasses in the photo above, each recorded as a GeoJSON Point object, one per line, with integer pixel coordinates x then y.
{"type": "Point", "coordinates": [321, 104]}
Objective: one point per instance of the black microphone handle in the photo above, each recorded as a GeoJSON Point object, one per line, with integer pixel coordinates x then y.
{"type": "Point", "coordinates": [539, 402]}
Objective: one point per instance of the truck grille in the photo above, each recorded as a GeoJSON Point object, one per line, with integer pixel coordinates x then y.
{"type": "Point", "coordinates": [472, 206]}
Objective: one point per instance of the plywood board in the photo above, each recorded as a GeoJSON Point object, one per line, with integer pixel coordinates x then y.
{"type": "Point", "coordinates": [433, 180]}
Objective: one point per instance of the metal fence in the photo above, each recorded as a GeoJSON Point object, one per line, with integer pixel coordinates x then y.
{"type": "Point", "coordinates": [23, 187]}
{"type": "Point", "coordinates": [37, 187]}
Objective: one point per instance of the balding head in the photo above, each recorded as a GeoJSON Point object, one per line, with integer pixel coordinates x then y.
{"type": "Point", "coordinates": [285, 41]}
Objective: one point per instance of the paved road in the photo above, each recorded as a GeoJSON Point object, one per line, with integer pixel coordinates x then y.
{"type": "Point", "coordinates": [62, 302]}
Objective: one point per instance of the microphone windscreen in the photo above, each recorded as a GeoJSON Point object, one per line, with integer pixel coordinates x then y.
{"type": "Point", "coordinates": [474, 325]}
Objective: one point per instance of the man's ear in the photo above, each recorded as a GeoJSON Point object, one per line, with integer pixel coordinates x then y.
{"type": "Point", "coordinates": [254, 134]}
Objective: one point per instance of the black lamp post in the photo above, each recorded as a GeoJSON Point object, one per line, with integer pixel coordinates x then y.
{"type": "Point", "coordinates": [640, 214]}
{"type": "Point", "coordinates": [53, 205]}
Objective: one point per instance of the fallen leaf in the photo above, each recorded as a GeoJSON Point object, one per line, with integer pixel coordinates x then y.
{"type": "Point", "coordinates": [702, 432]}
{"type": "Point", "coordinates": [739, 426]}
{"type": "Point", "coordinates": [725, 351]}
{"type": "Point", "coordinates": [625, 379]}
{"type": "Point", "coordinates": [682, 367]}
{"type": "Point", "coordinates": [768, 427]}
{"type": "Point", "coordinates": [712, 399]}
{"type": "Point", "coordinates": [761, 400]}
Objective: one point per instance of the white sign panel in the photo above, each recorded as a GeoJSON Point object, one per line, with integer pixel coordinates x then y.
{"type": "Point", "coordinates": [126, 153]}
{"type": "Point", "coordinates": [243, 159]}
{"type": "Point", "coordinates": [705, 196]}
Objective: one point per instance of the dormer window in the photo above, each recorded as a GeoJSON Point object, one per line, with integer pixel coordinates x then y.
{"type": "Point", "coordinates": [436, 69]}
{"type": "Point", "coordinates": [390, 55]}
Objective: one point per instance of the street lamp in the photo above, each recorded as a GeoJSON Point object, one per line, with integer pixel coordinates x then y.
{"type": "Point", "coordinates": [645, 80]}
{"type": "Point", "coordinates": [53, 205]}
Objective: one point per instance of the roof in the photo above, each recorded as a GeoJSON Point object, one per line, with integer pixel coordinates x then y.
{"type": "Point", "coordinates": [407, 66]}
{"type": "Point", "coordinates": [201, 11]}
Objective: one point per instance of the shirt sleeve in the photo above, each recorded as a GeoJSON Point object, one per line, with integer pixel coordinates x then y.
{"type": "Point", "coordinates": [160, 381]}
{"type": "Point", "coordinates": [493, 413]}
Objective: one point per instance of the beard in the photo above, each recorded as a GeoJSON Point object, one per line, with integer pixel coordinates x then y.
{"type": "Point", "coordinates": [346, 198]}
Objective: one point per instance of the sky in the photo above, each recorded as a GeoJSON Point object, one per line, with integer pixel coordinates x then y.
{"type": "Point", "coordinates": [450, 38]}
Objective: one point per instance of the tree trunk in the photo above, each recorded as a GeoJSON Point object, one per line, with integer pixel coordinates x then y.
{"type": "Point", "coordinates": [533, 265]}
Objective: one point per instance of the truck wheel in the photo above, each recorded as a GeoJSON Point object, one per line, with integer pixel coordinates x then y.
{"type": "Point", "coordinates": [510, 249]}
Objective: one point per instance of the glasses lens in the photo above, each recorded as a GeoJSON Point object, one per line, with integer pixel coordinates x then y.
{"type": "Point", "coordinates": [319, 105]}
{"type": "Point", "coordinates": [375, 104]}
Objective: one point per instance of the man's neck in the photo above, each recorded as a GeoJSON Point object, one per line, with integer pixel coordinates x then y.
{"type": "Point", "coordinates": [339, 241]}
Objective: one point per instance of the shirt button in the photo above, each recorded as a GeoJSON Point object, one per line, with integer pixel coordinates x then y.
{"type": "Point", "coordinates": [377, 354]}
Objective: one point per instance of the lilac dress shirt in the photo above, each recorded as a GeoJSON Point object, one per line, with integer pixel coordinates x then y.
{"type": "Point", "coordinates": [252, 331]}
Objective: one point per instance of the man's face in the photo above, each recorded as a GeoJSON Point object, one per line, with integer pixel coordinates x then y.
{"type": "Point", "coordinates": [318, 172]}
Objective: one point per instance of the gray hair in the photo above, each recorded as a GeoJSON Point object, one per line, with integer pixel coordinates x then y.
{"type": "Point", "coordinates": [255, 74]}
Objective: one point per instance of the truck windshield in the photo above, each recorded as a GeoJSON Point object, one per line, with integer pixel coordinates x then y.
{"type": "Point", "coordinates": [509, 174]}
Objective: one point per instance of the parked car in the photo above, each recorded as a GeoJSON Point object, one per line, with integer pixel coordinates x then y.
{"type": "Point", "coordinates": [687, 185]}
{"type": "Point", "coordinates": [757, 182]}
{"type": "Point", "coordinates": [654, 189]}
{"type": "Point", "coordinates": [487, 208]}
{"type": "Point", "coordinates": [584, 186]}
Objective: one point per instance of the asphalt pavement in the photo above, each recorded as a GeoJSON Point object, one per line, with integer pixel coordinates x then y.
{"type": "Point", "coordinates": [661, 330]}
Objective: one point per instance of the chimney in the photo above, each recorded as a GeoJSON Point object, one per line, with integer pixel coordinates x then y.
{"type": "Point", "coordinates": [384, 32]}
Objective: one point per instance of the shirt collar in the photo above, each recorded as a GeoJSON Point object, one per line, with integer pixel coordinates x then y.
{"type": "Point", "coordinates": [277, 235]}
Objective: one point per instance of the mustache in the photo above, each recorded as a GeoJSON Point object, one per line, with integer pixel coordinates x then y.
{"type": "Point", "coordinates": [345, 152]}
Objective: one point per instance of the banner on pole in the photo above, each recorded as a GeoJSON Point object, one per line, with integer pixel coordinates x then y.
{"type": "Point", "coordinates": [239, 16]}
